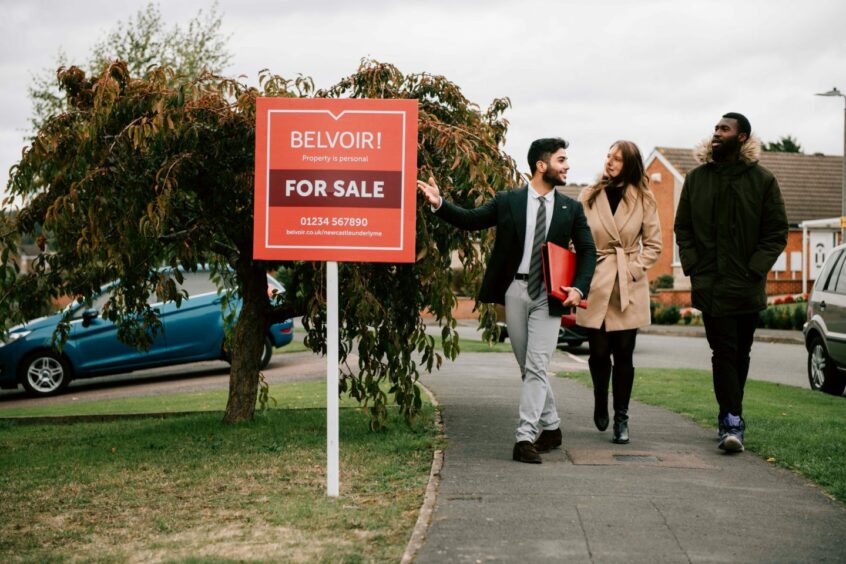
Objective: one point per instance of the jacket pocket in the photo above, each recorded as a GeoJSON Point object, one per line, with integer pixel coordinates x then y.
{"type": "Point", "coordinates": [636, 271]}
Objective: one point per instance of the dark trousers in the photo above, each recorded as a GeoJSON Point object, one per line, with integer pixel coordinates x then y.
{"type": "Point", "coordinates": [730, 338]}
{"type": "Point", "coordinates": [620, 345]}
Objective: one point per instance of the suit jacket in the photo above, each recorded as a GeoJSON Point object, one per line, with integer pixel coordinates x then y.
{"type": "Point", "coordinates": [628, 243]}
{"type": "Point", "coordinates": [507, 212]}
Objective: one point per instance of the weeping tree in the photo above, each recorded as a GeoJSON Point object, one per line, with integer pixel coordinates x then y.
{"type": "Point", "coordinates": [142, 172]}
{"type": "Point", "coordinates": [142, 41]}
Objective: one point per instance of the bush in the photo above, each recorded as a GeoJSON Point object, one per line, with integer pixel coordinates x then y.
{"type": "Point", "coordinates": [800, 315]}
{"type": "Point", "coordinates": [665, 281]}
{"type": "Point", "coordinates": [765, 318]}
{"type": "Point", "coordinates": [667, 316]}
{"type": "Point", "coordinates": [787, 316]}
{"type": "Point", "coordinates": [784, 318]}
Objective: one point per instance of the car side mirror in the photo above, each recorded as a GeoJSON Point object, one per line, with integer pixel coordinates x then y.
{"type": "Point", "coordinates": [88, 316]}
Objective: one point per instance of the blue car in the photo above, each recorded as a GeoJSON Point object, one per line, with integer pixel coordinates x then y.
{"type": "Point", "coordinates": [192, 332]}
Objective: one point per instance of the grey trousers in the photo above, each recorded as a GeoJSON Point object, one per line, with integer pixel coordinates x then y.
{"type": "Point", "coordinates": [533, 334]}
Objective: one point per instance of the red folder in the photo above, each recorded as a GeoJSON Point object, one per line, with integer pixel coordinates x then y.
{"type": "Point", "coordinates": [559, 267]}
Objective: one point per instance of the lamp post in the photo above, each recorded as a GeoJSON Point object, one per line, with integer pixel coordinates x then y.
{"type": "Point", "coordinates": [838, 93]}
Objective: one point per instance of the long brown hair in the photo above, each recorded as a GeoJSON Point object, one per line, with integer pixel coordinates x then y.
{"type": "Point", "coordinates": [632, 174]}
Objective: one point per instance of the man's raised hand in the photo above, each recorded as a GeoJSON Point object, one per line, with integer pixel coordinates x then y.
{"type": "Point", "coordinates": [430, 190]}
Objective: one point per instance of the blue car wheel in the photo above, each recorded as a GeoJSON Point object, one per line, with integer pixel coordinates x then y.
{"type": "Point", "coordinates": [45, 373]}
{"type": "Point", "coordinates": [266, 353]}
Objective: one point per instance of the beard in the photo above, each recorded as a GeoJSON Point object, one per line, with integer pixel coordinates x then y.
{"type": "Point", "coordinates": [726, 149]}
{"type": "Point", "coordinates": [553, 179]}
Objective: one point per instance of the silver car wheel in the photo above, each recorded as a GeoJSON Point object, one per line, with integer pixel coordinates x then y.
{"type": "Point", "coordinates": [818, 366]}
{"type": "Point", "coordinates": [45, 374]}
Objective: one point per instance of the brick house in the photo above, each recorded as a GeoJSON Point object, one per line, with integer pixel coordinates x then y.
{"type": "Point", "coordinates": [811, 187]}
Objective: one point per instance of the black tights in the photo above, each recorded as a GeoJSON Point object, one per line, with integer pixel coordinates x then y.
{"type": "Point", "coordinates": [603, 345]}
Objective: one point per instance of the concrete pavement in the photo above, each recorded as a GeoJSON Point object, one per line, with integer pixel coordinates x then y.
{"type": "Point", "coordinates": [669, 496]}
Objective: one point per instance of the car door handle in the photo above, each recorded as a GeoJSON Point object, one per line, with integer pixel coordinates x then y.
{"type": "Point", "coordinates": [822, 305]}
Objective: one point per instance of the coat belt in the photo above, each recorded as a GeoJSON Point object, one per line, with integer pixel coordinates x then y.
{"type": "Point", "coordinates": [622, 268]}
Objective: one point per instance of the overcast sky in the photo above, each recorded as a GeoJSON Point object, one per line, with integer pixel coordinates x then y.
{"type": "Point", "coordinates": [658, 72]}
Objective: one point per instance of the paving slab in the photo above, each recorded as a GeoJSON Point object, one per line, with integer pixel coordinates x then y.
{"type": "Point", "coordinates": [669, 496]}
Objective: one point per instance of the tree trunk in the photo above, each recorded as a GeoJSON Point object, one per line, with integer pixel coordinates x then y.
{"type": "Point", "coordinates": [247, 344]}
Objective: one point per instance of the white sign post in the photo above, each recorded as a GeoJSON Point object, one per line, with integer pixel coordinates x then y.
{"type": "Point", "coordinates": [332, 464]}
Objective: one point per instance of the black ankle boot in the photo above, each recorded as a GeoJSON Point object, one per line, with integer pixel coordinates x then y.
{"type": "Point", "coordinates": [600, 373]}
{"type": "Point", "coordinates": [600, 410]}
{"type": "Point", "coordinates": [623, 381]}
{"type": "Point", "coordinates": [621, 428]}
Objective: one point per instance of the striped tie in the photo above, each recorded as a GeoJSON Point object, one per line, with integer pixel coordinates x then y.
{"type": "Point", "coordinates": [536, 263]}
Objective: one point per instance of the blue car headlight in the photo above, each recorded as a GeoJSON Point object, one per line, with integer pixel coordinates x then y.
{"type": "Point", "coordinates": [12, 337]}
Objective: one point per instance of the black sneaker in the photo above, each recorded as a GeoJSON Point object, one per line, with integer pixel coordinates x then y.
{"type": "Point", "coordinates": [732, 440]}
{"type": "Point", "coordinates": [722, 430]}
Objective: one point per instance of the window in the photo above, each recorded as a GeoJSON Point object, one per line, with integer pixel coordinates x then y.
{"type": "Point", "coordinates": [839, 282]}
{"type": "Point", "coordinates": [196, 283]}
{"type": "Point", "coordinates": [827, 280]}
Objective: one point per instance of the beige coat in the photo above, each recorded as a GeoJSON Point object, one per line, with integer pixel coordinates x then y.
{"type": "Point", "coordinates": [627, 244]}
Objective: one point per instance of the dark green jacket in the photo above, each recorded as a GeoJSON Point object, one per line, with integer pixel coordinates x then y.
{"type": "Point", "coordinates": [507, 212]}
{"type": "Point", "coordinates": [730, 229]}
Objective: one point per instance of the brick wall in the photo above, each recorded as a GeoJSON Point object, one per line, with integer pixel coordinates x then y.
{"type": "Point", "coordinates": [663, 190]}
{"type": "Point", "coordinates": [681, 298]}
{"type": "Point", "coordinates": [666, 298]}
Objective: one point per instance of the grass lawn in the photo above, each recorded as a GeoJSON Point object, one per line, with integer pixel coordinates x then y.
{"type": "Point", "coordinates": [191, 489]}
{"type": "Point", "coordinates": [795, 428]}
{"type": "Point", "coordinates": [292, 347]}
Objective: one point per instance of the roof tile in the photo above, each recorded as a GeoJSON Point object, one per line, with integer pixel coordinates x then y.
{"type": "Point", "coordinates": [811, 185]}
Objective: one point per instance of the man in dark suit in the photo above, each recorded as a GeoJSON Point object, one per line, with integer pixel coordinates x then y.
{"type": "Point", "coordinates": [525, 218]}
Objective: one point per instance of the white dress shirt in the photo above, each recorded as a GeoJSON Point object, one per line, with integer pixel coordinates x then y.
{"type": "Point", "coordinates": [531, 220]}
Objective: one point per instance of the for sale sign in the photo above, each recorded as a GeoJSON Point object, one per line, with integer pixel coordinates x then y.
{"type": "Point", "coordinates": [335, 179]}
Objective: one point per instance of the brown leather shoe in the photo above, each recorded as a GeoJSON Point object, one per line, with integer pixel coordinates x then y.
{"type": "Point", "coordinates": [548, 440]}
{"type": "Point", "coordinates": [524, 451]}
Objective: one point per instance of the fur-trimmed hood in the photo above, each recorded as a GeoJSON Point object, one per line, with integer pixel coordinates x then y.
{"type": "Point", "coordinates": [750, 151]}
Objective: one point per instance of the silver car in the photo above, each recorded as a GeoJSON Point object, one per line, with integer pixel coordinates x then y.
{"type": "Point", "coordinates": [825, 330]}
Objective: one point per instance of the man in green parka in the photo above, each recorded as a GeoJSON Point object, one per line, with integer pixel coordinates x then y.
{"type": "Point", "coordinates": [730, 229]}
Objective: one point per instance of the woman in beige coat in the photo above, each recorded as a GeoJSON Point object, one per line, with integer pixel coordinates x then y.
{"type": "Point", "coordinates": [623, 218]}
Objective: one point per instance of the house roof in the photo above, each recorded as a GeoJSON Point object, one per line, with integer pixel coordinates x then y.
{"type": "Point", "coordinates": [810, 184]}
{"type": "Point", "coordinates": [572, 190]}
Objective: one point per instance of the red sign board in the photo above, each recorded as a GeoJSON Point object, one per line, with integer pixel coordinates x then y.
{"type": "Point", "coordinates": [335, 180]}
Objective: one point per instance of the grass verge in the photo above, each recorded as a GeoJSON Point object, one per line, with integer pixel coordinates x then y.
{"type": "Point", "coordinates": [470, 345]}
{"type": "Point", "coordinates": [192, 489]}
{"type": "Point", "coordinates": [308, 394]}
{"type": "Point", "coordinates": [792, 427]}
